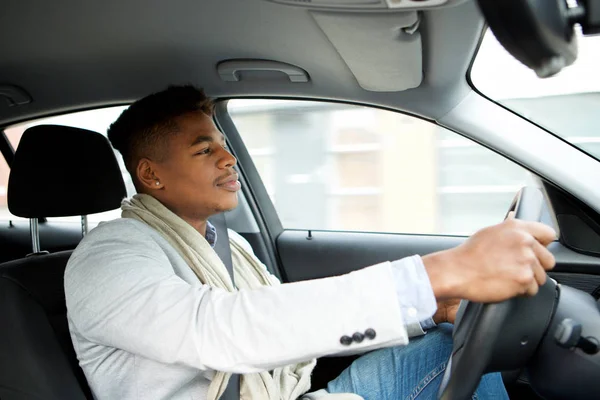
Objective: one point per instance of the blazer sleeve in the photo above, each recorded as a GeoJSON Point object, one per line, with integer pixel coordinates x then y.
{"type": "Point", "coordinates": [412, 329]}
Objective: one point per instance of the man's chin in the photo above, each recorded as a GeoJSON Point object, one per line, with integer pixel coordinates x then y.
{"type": "Point", "coordinates": [228, 209]}
{"type": "Point", "coordinates": [228, 205]}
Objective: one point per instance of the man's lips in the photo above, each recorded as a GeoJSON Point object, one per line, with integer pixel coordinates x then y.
{"type": "Point", "coordinates": [230, 182]}
{"type": "Point", "coordinates": [227, 179]}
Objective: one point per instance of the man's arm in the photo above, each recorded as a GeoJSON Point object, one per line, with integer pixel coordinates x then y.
{"type": "Point", "coordinates": [126, 295]}
{"type": "Point", "coordinates": [412, 286]}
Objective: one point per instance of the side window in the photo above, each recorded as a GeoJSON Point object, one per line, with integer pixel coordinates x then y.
{"type": "Point", "coordinates": [342, 167]}
{"type": "Point", "coordinates": [95, 120]}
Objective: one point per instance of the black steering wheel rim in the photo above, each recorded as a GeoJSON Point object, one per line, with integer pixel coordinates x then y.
{"type": "Point", "coordinates": [499, 336]}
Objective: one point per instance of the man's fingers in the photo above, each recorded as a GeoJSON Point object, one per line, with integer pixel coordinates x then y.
{"type": "Point", "coordinates": [532, 289]}
{"type": "Point", "coordinates": [542, 260]}
{"type": "Point", "coordinates": [544, 256]}
{"type": "Point", "coordinates": [542, 233]}
{"type": "Point", "coordinates": [539, 272]}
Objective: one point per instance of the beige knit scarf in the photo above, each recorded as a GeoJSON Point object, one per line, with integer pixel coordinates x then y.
{"type": "Point", "coordinates": [287, 383]}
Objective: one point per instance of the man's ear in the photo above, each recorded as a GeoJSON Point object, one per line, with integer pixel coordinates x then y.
{"type": "Point", "coordinates": [147, 175]}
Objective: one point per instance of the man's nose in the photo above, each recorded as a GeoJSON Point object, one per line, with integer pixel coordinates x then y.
{"type": "Point", "coordinates": [227, 160]}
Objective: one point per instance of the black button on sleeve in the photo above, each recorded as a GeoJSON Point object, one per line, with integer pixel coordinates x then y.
{"type": "Point", "coordinates": [370, 334]}
{"type": "Point", "coordinates": [358, 337]}
{"type": "Point", "coordinates": [346, 340]}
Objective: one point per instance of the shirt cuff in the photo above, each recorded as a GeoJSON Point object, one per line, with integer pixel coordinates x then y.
{"type": "Point", "coordinates": [427, 324]}
{"type": "Point", "coordinates": [414, 291]}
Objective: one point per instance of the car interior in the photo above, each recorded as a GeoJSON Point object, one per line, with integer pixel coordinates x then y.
{"type": "Point", "coordinates": [286, 72]}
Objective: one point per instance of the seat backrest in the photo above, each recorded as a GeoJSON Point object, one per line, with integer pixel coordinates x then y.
{"type": "Point", "coordinates": [56, 171]}
{"type": "Point", "coordinates": [37, 359]}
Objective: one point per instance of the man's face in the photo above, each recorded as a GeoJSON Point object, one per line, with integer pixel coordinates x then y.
{"type": "Point", "coordinates": [196, 176]}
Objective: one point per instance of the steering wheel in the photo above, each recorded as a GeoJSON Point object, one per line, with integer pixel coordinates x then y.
{"type": "Point", "coordinates": [500, 336]}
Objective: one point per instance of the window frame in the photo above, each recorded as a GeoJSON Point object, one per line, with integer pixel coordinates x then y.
{"type": "Point", "coordinates": [264, 210]}
{"type": "Point", "coordinates": [6, 148]}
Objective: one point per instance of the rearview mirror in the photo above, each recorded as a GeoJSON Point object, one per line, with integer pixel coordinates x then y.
{"type": "Point", "coordinates": [541, 33]}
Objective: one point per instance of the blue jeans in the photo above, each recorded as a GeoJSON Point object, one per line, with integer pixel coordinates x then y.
{"type": "Point", "coordinates": [409, 372]}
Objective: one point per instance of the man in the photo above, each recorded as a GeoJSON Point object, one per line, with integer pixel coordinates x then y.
{"type": "Point", "coordinates": [153, 313]}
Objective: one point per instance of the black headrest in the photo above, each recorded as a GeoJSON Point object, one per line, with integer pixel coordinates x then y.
{"type": "Point", "coordinates": [60, 171]}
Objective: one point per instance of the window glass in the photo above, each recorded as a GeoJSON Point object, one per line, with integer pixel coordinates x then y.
{"type": "Point", "coordinates": [343, 167]}
{"type": "Point", "coordinates": [565, 104]}
{"type": "Point", "coordinates": [94, 120]}
{"type": "Point", "coordinates": [4, 171]}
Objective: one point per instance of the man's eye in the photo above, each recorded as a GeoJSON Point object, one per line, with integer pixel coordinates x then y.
{"type": "Point", "coordinates": [204, 151]}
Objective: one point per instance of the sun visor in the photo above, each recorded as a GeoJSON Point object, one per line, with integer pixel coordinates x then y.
{"type": "Point", "coordinates": [383, 51]}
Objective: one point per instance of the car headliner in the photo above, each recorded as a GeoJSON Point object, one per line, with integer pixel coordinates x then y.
{"type": "Point", "coordinates": [76, 54]}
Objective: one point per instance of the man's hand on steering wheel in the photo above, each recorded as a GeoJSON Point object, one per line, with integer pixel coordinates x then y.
{"type": "Point", "coordinates": [495, 264]}
{"type": "Point", "coordinates": [500, 273]}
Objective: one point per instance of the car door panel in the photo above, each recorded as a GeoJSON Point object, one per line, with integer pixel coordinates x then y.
{"type": "Point", "coordinates": [325, 254]}
{"type": "Point", "coordinates": [320, 254]}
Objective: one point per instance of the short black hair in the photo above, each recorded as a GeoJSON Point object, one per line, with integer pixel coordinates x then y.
{"type": "Point", "coordinates": [142, 129]}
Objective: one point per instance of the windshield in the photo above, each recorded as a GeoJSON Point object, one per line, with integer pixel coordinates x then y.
{"type": "Point", "coordinates": [567, 104]}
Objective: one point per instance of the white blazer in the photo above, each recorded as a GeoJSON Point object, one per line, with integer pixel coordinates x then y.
{"type": "Point", "coordinates": [143, 327]}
